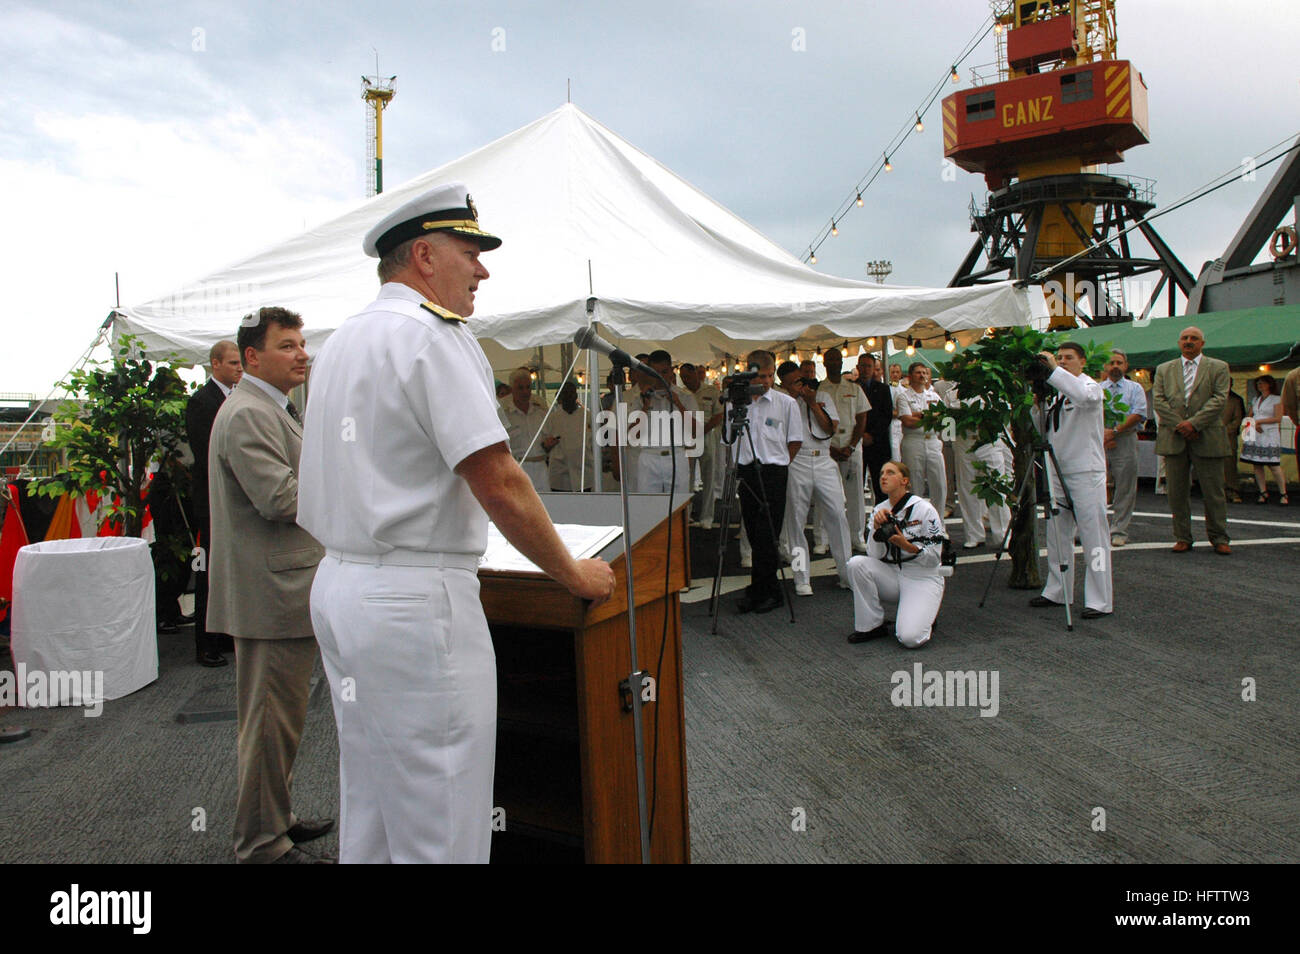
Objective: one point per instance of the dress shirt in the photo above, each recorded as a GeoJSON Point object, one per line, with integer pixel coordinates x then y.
{"type": "Point", "coordinates": [277, 395]}
{"type": "Point", "coordinates": [774, 424]}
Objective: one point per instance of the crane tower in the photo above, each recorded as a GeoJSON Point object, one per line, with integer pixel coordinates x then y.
{"type": "Point", "coordinates": [1063, 103]}
{"type": "Point", "coordinates": [378, 92]}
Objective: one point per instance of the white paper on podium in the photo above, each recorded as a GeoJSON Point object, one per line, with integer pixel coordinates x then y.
{"type": "Point", "coordinates": [579, 539]}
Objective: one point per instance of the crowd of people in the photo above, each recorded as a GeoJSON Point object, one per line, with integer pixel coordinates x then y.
{"type": "Point", "coordinates": [385, 589]}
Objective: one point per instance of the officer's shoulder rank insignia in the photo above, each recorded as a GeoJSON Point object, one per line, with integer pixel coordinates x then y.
{"type": "Point", "coordinates": [441, 312]}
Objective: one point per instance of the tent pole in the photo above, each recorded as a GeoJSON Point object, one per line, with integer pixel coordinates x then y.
{"type": "Point", "coordinates": [593, 412]}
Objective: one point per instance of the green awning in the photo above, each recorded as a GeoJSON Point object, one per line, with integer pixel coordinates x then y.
{"type": "Point", "coordinates": [1250, 336]}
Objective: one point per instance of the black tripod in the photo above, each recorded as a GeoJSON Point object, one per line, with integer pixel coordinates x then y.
{"type": "Point", "coordinates": [1043, 451]}
{"type": "Point", "coordinates": [736, 428]}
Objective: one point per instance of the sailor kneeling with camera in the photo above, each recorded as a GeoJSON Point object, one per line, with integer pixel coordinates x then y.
{"type": "Point", "coordinates": [903, 564]}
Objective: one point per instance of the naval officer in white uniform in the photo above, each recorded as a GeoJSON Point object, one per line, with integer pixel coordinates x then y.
{"type": "Point", "coordinates": [1071, 420]}
{"type": "Point", "coordinates": [404, 460]}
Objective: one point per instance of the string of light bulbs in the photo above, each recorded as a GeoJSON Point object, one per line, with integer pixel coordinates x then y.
{"type": "Point", "coordinates": [914, 125]}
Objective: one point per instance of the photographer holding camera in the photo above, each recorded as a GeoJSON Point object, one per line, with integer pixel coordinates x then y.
{"type": "Point", "coordinates": [1071, 420]}
{"type": "Point", "coordinates": [903, 564]}
{"type": "Point", "coordinates": [813, 476]}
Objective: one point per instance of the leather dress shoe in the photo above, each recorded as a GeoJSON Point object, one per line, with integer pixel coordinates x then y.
{"type": "Point", "coordinates": [1182, 546]}
{"type": "Point", "coordinates": [211, 660]}
{"type": "Point", "coordinates": [167, 626]}
{"type": "Point", "coordinates": [1044, 601]}
{"type": "Point", "coordinates": [310, 828]}
{"type": "Point", "coordinates": [860, 637]}
{"type": "Point", "coordinates": [185, 620]}
{"type": "Point", "coordinates": [1222, 549]}
{"type": "Point", "coordinates": [764, 605]}
{"type": "Point", "coordinates": [1090, 613]}
{"type": "Point", "coordinates": [296, 856]}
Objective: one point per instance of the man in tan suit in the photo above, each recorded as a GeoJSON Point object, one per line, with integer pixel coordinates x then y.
{"type": "Point", "coordinates": [262, 565]}
{"type": "Point", "coordinates": [1188, 394]}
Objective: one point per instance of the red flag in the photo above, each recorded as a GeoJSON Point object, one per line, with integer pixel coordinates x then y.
{"type": "Point", "coordinates": [13, 537]}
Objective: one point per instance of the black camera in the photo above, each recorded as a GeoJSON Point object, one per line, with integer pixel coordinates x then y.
{"type": "Point", "coordinates": [1036, 372]}
{"type": "Point", "coordinates": [741, 388]}
{"type": "Point", "coordinates": [887, 530]}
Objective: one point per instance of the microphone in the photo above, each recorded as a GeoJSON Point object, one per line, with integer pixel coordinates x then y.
{"type": "Point", "coordinates": [587, 338]}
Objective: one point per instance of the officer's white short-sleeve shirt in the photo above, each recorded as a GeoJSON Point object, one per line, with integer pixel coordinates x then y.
{"type": "Point", "coordinates": [398, 398]}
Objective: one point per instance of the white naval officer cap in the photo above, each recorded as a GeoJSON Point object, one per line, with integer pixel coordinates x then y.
{"type": "Point", "coordinates": [444, 208]}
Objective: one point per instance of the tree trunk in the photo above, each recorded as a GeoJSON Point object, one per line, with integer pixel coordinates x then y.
{"type": "Point", "coordinates": [1024, 529]}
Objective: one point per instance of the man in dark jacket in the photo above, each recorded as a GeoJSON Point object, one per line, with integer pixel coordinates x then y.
{"type": "Point", "coordinates": [200, 412]}
{"type": "Point", "coordinates": [875, 439]}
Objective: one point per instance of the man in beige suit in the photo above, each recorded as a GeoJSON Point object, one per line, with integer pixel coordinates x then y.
{"type": "Point", "coordinates": [1188, 394]}
{"type": "Point", "coordinates": [262, 565]}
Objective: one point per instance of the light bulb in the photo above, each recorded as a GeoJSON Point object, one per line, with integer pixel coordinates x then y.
{"type": "Point", "coordinates": [889, 166]}
{"type": "Point", "coordinates": [950, 346]}
{"type": "Point", "coordinates": [997, 27]}
{"type": "Point", "coordinates": [813, 259]}
{"type": "Point", "coordinates": [871, 342]}
{"type": "Point", "coordinates": [956, 77]}
{"type": "Point", "coordinates": [835, 229]}
{"type": "Point", "coordinates": [859, 200]}
{"type": "Point", "coordinates": [920, 126]}
{"type": "Point", "coordinates": [910, 349]}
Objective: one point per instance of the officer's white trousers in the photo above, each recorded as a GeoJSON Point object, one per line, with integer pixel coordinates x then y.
{"type": "Point", "coordinates": [814, 475]}
{"type": "Point", "coordinates": [924, 458]}
{"type": "Point", "coordinates": [973, 510]}
{"type": "Point", "coordinates": [412, 673]}
{"type": "Point", "coordinates": [1088, 491]}
{"type": "Point", "coordinates": [876, 582]}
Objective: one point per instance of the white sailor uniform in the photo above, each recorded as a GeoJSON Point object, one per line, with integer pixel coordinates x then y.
{"type": "Point", "coordinates": [890, 575]}
{"type": "Point", "coordinates": [664, 439]}
{"type": "Point", "coordinates": [813, 474]}
{"type": "Point", "coordinates": [1072, 422]}
{"type": "Point", "coordinates": [400, 396]}
{"type": "Point", "coordinates": [525, 444]}
{"type": "Point", "coordinates": [921, 450]}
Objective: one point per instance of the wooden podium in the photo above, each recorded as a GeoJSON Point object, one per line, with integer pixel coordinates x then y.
{"type": "Point", "coordinates": [566, 766]}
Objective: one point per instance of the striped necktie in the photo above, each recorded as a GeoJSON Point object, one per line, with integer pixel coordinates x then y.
{"type": "Point", "coordinates": [293, 412]}
{"type": "Point", "coordinates": [1189, 376]}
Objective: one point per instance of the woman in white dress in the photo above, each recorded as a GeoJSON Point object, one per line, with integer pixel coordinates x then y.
{"type": "Point", "coordinates": [904, 567]}
{"type": "Point", "coordinates": [1262, 441]}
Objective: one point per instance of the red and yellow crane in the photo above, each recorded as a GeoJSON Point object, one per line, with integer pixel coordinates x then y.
{"type": "Point", "coordinates": [1063, 104]}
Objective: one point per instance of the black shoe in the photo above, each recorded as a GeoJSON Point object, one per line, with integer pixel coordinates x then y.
{"type": "Point", "coordinates": [167, 626]}
{"type": "Point", "coordinates": [308, 829]}
{"type": "Point", "coordinates": [185, 620]}
{"type": "Point", "coordinates": [764, 605]}
{"type": "Point", "coordinates": [1044, 601]}
{"type": "Point", "coordinates": [879, 631]}
{"type": "Point", "coordinates": [211, 660]}
{"type": "Point", "coordinates": [1090, 613]}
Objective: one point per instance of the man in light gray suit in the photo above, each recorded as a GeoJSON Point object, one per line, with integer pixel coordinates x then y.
{"type": "Point", "coordinates": [1188, 395]}
{"type": "Point", "coordinates": [262, 565]}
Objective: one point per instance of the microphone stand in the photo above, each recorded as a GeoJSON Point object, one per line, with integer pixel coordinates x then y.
{"type": "Point", "coordinates": [636, 679]}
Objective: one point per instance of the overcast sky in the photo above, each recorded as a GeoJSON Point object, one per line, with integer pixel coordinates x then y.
{"type": "Point", "coordinates": [163, 141]}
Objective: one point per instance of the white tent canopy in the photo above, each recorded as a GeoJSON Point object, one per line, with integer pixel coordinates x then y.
{"type": "Point", "coordinates": [583, 214]}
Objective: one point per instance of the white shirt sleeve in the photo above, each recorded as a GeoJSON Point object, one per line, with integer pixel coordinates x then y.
{"type": "Point", "coordinates": [452, 398]}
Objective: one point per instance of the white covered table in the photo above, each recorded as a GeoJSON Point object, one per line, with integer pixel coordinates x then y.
{"type": "Point", "coordinates": [85, 606]}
